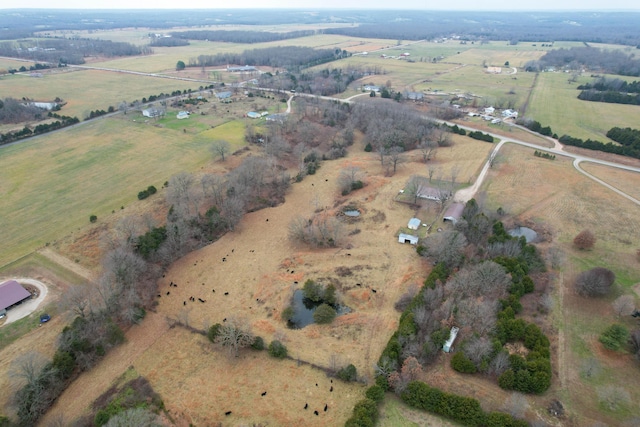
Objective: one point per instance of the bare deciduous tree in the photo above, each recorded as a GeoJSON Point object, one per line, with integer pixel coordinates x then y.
{"type": "Point", "coordinates": [477, 349]}
{"type": "Point", "coordinates": [414, 187]}
{"type": "Point", "coordinates": [77, 300]}
{"type": "Point", "coordinates": [446, 247]}
{"type": "Point", "coordinates": [595, 282]}
{"type": "Point", "coordinates": [499, 364]}
{"type": "Point", "coordinates": [584, 240]}
{"type": "Point", "coordinates": [140, 417]}
{"type": "Point", "coordinates": [220, 148]}
{"type": "Point", "coordinates": [428, 149]}
{"type": "Point", "coordinates": [516, 405]}
{"type": "Point", "coordinates": [395, 157]}
{"type": "Point", "coordinates": [348, 179]}
{"type": "Point", "coordinates": [624, 305]}
{"type": "Point", "coordinates": [235, 334]}
{"type": "Point", "coordinates": [25, 369]}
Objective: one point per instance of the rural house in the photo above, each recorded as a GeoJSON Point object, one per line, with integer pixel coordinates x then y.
{"type": "Point", "coordinates": [369, 88]}
{"type": "Point", "coordinates": [151, 112]}
{"type": "Point", "coordinates": [182, 115]}
{"type": "Point", "coordinates": [414, 223]}
{"type": "Point", "coordinates": [407, 238]}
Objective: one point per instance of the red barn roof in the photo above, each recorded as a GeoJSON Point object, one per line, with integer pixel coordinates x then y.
{"type": "Point", "coordinates": [12, 292]}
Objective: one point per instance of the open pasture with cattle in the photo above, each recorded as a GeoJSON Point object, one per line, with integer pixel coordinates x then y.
{"type": "Point", "coordinates": [54, 183]}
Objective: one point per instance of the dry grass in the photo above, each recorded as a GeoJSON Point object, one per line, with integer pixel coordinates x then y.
{"type": "Point", "coordinates": [622, 180]}
{"type": "Point", "coordinates": [556, 197]}
{"type": "Point", "coordinates": [262, 264]}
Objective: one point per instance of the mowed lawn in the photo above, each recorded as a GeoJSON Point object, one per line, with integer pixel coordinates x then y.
{"type": "Point", "coordinates": [555, 103]}
{"type": "Point", "coordinates": [51, 185]}
{"type": "Point", "coordinates": [88, 90]}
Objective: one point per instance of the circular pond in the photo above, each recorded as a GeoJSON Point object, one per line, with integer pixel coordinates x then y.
{"type": "Point", "coordinates": [529, 234]}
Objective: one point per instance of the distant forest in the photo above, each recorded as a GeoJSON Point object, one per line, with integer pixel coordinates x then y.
{"type": "Point", "coordinates": [594, 59]}
{"type": "Point", "coordinates": [238, 36]}
{"type": "Point", "coordinates": [605, 27]}
{"type": "Point", "coordinates": [289, 57]}
{"type": "Point", "coordinates": [68, 51]}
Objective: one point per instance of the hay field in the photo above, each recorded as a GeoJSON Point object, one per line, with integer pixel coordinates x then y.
{"type": "Point", "coordinates": [622, 180]}
{"type": "Point", "coordinates": [496, 53]}
{"type": "Point", "coordinates": [53, 183]}
{"type": "Point", "coordinates": [6, 63]}
{"type": "Point", "coordinates": [560, 200]}
{"type": "Point", "coordinates": [491, 87]}
{"type": "Point", "coordinates": [554, 103]}
{"type": "Point", "coordinates": [86, 90]}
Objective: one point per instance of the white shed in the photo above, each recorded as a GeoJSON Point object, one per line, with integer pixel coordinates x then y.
{"type": "Point", "coordinates": [448, 345]}
{"type": "Point", "coordinates": [414, 223]}
{"type": "Point", "coordinates": [407, 238]}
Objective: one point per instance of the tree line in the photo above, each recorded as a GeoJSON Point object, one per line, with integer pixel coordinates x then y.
{"type": "Point", "coordinates": [618, 85]}
{"type": "Point", "coordinates": [609, 96]}
{"type": "Point", "coordinates": [239, 36]}
{"type": "Point", "coordinates": [600, 60]}
{"type": "Point", "coordinates": [324, 82]}
{"type": "Point", "coordinates": [627, 136]}
{"type": "Point", "coordinates": [26, 132]}
{"type": "Point", "coordinates": [289, 57]}
{"type": "Point", "coordinates": [69, 51]}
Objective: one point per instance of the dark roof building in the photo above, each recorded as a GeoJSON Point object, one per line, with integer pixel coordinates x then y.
{"type": "Point", "coordinates": [11, 293]}
{"type": "Point", "coordinates": [454, 212]}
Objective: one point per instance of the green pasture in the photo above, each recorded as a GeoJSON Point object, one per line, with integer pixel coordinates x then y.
{"type": "Point", "coordinates": [493, 88]}
{"type": "Point", "coordinates": [497, 56]}
{"type": "Point", "coordinates": [86, 90]}
{"type": "Point", "coordinates": [6, 64]}
{"type": "Point", "coordinates": [399, 72]}
{"type": "Point", "coordinates": [395, 413]}
{"type": "Point", "coordinates": [53, 183]}
{"type": "Point", "coordinates": [555, 103]}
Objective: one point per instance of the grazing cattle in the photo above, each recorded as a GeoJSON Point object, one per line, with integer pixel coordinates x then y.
{"type": "Point", "coordinates": [358, 284]}
{"type": "Point", "coordinates": [326, 407]}
{"type": "Point", "coordinates": [184, 303]}
{"type": "Point", "coordinates": [306, 405]}
{"type": "Point", "coordinates": [316, 384]}
{"type": "Point", "coordinates": [168, 292]}
{"type": "Point", "coordinates": [373, 290]}
{"type": "Point", "coordinates": [163, 276]}
{"type": "Point", "coordinates": [331, 389]}
{"type": "Point", "coordinates": [226, 293]}
{"type": "Point", "coordinates": [292, 271]}
{"type": "Point", "coordinates": [214, 291]}
{"type": "Point", "coordinates": [159, 295]}
{"type": "Point", "coordinates": [224, 259]}
{"type": "Point", "coordinates": [201, 300]}
{"type": "Point", "coordinates": [224, 320]}
{"type": "Point", "coordinates": [264, 393]}
{"type": "Point", "coordinates": [267, 219]}
{"type": "Point", "coordinates": [175, 285]}
{"type": "Point", "coordinates": [295, 283]}
{"type": "Point", "coordinates": [232, 250]}
{"type": "Point", "coordinates": [348, 254]}
{"type": "Point", "coordinates": [316, 413]}
{"type": "Point", "coordinates": [228, 413]}
{"type": "Point", "coordinates": [331, 381]}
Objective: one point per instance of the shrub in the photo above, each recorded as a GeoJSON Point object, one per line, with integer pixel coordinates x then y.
{"type": "Point", "coordinates": [64, 364]}
{"type": "Point", "coordinates": [348, 373]}
{"type": "Point", "coordinates": [324, 314]}
{"type": "Point", "coordinates": [312, 291]}
{"type": "Point", "coordinates": [288, 313]}
{"type": "Point", "coordinates": [461, 363]}
{"type": "Point", "coordinates": [277, 349]}
{"type": "Point", "coordinates": [365, 413]}
{"type": "Point", "coordinates": [614, 337]}
{"type": "Point", "coordinates": [368, 148]}
{"type": "Point", "coordinates": [143, 195]}
{"type": "Point", "coordinates": [375, 393]}
{"type": "Point", "coordinates": [258, 343]}
{"type": "Point", "coordinates": [151, 190]}
{"type": "Point", "coordinates": [595, 282]}
{"type": "Point", "coordinates": [213, 332]}
{"type": "Point", "coordinates": [584, 240]}
{"type": "Point", "coordinates": [93, 218]}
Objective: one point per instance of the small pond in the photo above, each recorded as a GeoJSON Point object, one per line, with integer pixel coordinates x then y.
{"type": "Point", "coordinates": [529, 234]}
{"type": "Point", "coordinates": [352, 213]}
{"type": "Point", "coordinates": [304, 309]}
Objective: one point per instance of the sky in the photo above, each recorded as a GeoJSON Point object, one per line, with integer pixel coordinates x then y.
{"type": "Point", "coordinates": [486, 5]}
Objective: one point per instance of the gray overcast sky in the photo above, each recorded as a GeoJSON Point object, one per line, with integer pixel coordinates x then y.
{"type": "Point", "coordinates": [502, 5]}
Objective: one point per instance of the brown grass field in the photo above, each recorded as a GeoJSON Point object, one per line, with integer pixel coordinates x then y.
{"type": "Point", "coordinates": [557, 198]}
{"type": "Point", "coordinates": [356, 338]}
{"type": "Point", "coordinates": [113, 159]}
